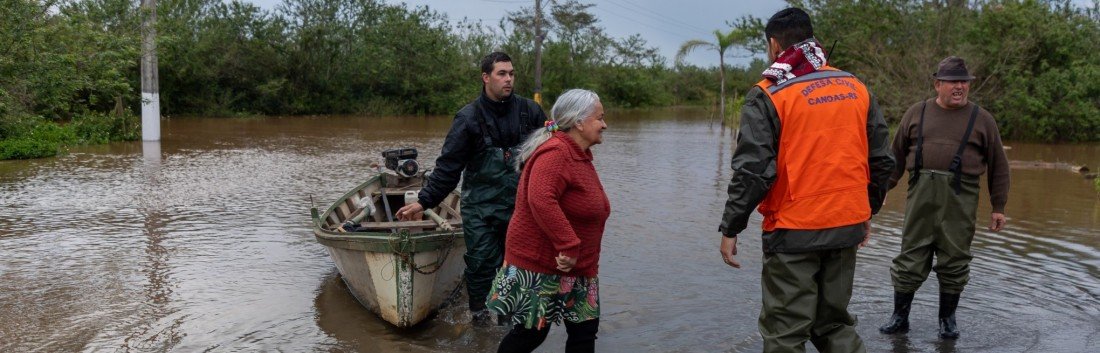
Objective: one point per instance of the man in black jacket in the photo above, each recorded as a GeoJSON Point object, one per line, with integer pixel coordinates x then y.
{"type": "Point", "coordinates": [481, 147]}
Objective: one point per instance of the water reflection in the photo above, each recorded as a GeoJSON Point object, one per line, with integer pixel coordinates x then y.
{"type": "Point", "coordinates": [356, 329]}
{"type": "Point", "coordinates": [149, 332]}
{"type": "Point", "coordinates": [201, 242]}
{"type": "Point", "coordinates": [150, 150]}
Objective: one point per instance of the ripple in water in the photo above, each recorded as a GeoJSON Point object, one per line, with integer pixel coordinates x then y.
{"type": "Point", "coordinates": [204, 244]}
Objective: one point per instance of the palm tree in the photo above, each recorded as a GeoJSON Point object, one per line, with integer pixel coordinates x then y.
{"type": "Point", "coordinates": [724, 41]}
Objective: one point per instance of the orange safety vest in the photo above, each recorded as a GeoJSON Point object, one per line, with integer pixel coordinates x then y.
{"type": "Point", "coordinates": [822, 168]}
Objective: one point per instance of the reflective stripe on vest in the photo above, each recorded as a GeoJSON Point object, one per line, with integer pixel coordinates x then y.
{"type": "Point", "coordinates": [821, 163]}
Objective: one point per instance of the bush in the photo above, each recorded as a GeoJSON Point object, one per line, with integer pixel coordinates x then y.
{"type": "Point", "coordinates": [103, 128]}
{"type": "Point", "coordinates": [32, 137]}
{"type": "Point", "coordinates": [36, 137]}
{"type": "Point", "coordinates": [26, 148]}
{"type": "Point", "coordinates": [14, 125]}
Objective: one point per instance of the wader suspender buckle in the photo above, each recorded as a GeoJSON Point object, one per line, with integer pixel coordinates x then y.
{"type": "Point", "coordinates": [488, 136]}
{"type": "Point", "coordinates": [918, 160]}
{"type": "Point", "coordinates": [956, 162]}
{"type": "Point", "coordinates": [485, 134]}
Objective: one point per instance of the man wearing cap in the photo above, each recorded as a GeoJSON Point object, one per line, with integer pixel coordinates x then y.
{"type": "Point", "coordinates": [947, 142]}
{"type": "Point", "coordinates": [813, 152]}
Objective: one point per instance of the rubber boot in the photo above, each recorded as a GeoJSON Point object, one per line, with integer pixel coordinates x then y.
{"type": "Point", "coordinates": [482, 318]}
{"type": "Point", "coordinates": [899, 321]}
{"type": "Point", "coordinates": [948, 303]}
{"type": "Point", "coordinates": [480, 315]}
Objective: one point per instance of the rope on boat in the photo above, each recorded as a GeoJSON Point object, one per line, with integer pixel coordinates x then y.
{"type": "Point", "coordinates": [401, 247]}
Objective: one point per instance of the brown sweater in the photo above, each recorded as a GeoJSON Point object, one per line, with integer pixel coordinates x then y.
{"type": "Point", "coordinates": [943, 130]}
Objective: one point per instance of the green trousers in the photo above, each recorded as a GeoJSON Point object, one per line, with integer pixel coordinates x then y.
{"type": "Point", "coordinates": [488, 199]}
{"type": "Point", "coordinates": [806, 298]}
{"type": "Point", "coordinates": [483, 227]}
{"type": "Point", "coordinates": [937, 222]}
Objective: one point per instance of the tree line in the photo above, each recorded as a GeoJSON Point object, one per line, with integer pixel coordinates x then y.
{"type": "Point", "coordinates": [72, 61]}
{"type": "Point", "coordinates": [1037, 62]}
{"type": "Point", "coordinates": [69, 68]}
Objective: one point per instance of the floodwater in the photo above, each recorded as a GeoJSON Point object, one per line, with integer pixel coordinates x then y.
{"type": "Point", "coordinates": [201, 242]}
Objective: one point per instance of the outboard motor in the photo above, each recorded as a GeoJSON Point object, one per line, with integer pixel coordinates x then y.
{"type": "Point", "coordinates": [402, 161]}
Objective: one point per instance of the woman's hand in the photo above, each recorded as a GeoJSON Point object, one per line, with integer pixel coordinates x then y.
{"type": "Point", "coordinates": [565, 263]}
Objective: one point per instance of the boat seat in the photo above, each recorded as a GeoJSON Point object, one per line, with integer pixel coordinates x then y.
{"type": "Point", "coordinates": [391, 192]}
{"type": "Point", "coordinates": [427, 223]}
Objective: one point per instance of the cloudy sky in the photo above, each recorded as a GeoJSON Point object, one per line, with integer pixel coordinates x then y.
{"type": "Point", "coordinates": [663, 23]}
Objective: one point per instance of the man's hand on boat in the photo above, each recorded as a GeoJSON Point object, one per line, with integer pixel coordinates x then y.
{"type": "Point", "coordinates": [411, 212]}
{"type": "Point", "coordinates": [565, 263]}
{"type": "Point", "coordinates": [728, 248]}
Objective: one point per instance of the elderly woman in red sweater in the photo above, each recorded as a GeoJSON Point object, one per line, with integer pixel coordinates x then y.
{"type": "Point", "coordinates": [552, 250]}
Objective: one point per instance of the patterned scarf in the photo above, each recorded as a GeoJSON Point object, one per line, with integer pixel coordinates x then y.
{"type": "Point", "coordinates": [800, 59]}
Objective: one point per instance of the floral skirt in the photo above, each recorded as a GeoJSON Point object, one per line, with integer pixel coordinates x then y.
{"type": "Point", "coordinates": [536, 299]}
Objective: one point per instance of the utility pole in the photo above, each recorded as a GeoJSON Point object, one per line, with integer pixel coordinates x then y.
{"type": "Point", "coordinates": [150, 86]}
{"type": "Point", "coordinates": [538, 52]}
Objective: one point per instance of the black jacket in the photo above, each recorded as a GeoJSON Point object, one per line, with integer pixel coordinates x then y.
{"type": "Point", "coordinates": [465, 141]}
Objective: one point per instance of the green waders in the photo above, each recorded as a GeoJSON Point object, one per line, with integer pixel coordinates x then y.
{"type": "Point", "coordinates": [488, 198]}
{"type": "Point", "coordinates": [937, 221]}
{"type": "Point", "coordinates": [806, 298]}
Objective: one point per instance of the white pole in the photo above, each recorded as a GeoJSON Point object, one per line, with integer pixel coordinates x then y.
{"type": "Point", "coordinates": [150, 88]}
{"type": "Point", "coordinates": [150, 151]}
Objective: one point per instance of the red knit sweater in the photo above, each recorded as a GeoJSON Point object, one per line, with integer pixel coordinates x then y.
{"type": "Point", "coordinates": [561, 207]}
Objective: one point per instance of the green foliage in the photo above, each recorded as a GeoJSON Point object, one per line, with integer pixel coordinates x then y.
{"type": "Point", "coordinates": [63, 67]}
{"type": "Point", "coordinates": [233, 58]}
{"type": "Point", "coordinates": [625, 87]}
{"type": "Point", "coordinates": [26, 148]}
{"type": "Point", "coordinates": [60, 64]}
{"type": "Point", "coordinates": [1052, 84]}
{"type": "Point", "coordinates": [693, 84]}
{"type": "Point", "coordinates": [733, 111]}
{"type": "Point", "coordinates": [34, 137]}
{"type": "Point", "coordinates": [310, 57]}
{"type": "Point", "coordinates": [102, 128]}
{"type": "Point", "coordinates": [220, 58]}
{"type": "Point", "coordinates": [69, 68]}
{"type": "Point", "coordinates": [1037, 62]}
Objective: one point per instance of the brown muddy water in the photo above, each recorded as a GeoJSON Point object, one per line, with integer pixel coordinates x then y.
{"type": "Point", "coordinates": [202, 243]}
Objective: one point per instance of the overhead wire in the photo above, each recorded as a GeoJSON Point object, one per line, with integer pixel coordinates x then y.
{"type": "Point", "coordinates": [666, 30]}
{"type": "Point", "coordinates": [656, 15]}
{"type": "Point", "coordinates": [671, 26]}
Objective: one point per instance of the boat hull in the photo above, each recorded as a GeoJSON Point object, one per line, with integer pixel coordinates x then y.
{"type": "Point", "coordinates": [402, 273]}
{"type": "Point", "coordinates": [390, 287]}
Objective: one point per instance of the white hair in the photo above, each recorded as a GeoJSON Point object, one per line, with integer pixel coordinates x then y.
{"type": "Point", "coordinates": [571, 108]}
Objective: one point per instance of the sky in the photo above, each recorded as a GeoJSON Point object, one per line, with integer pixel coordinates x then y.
{"type": "Point", "coordinates": [662, 23]}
